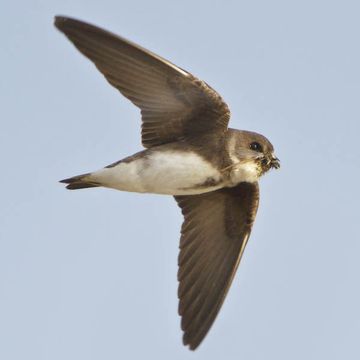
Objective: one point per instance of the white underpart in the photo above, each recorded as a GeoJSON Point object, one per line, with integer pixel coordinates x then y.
{"type": "Point", "coordinates": [244, 172]}
{"type": "Point", "coordinates": [161, 172]}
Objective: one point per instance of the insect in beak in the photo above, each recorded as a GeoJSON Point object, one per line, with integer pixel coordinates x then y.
{"type": "Point", "coordinates": [275, 163]}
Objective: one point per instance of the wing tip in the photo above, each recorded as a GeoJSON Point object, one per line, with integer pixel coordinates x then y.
{"type": "Point", "coordinates": [60, 20]}
{"type": "Point", "coordinates": [192, 344]}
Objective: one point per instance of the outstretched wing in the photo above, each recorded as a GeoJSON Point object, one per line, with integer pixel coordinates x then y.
{"type": "Point", "coordinates": [174, 104]}
{"type": "Point", "coordinates": [216, 228]}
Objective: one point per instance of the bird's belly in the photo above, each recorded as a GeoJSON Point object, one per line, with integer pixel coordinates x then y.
{"type": "Point", "coordinates": [163, 172]}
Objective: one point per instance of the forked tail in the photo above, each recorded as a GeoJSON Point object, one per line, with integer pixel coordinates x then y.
{"type": "Point", "coordinates": [80, 182]}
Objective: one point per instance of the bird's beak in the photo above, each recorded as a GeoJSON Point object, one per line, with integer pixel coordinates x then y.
{"type": "Point", "coordinates": [275, 162]}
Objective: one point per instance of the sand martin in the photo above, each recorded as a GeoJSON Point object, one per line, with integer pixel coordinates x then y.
{"type": "Point", "coordinates": [211, 170]}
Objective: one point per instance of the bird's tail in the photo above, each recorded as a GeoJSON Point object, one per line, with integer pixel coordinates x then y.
{"type": "Point", "coordinates": [80, 182]}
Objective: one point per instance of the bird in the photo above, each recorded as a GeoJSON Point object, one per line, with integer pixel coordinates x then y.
{"type": "Point", "coordinates": [211, 170]}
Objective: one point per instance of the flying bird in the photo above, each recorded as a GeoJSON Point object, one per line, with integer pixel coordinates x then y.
{"type": "Point", "coordinates": [190, 153]}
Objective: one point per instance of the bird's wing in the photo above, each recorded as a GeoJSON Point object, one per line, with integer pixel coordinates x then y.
{"type": "Point", "coordinates": [214, 233]}
{"type": "Point", "coordinates": [174, 104]}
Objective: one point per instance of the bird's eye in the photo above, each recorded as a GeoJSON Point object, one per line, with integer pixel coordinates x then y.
{"type": "Point", "coordinates": [256, 146]}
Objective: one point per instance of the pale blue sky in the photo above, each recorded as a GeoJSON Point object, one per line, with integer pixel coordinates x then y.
{"type": "Point", "coordinates": [92, 274]}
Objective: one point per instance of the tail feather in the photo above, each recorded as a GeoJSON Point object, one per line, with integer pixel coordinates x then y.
{"type": "Point", "coordinates": [80, 182]}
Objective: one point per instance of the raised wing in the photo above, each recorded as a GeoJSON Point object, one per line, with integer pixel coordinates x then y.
{"type": "Point", "coordinates": [174, 104]}
{"type": "Point", "coordinates": [215, 231]}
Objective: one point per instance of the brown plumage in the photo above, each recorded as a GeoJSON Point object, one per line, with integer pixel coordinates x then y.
{"type": "Point", "coordinates": [183, 115]}
{"type": "Point", "coordinates": [216, 228]}
{"type": "Point", "coordinates": [174, 104]}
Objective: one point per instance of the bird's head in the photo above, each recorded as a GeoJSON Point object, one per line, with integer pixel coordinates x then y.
{"type": "Point", "coordinates": [247, 146]}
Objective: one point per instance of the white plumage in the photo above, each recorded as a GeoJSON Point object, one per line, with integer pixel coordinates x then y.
{"type": "Point", "coordinates": [170, 173]}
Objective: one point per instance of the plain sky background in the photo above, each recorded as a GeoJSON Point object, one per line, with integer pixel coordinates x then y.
{"type": "Point", "coordinates": [92, 274]}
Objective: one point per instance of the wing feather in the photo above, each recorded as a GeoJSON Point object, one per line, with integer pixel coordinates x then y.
{"type": "Point", "coordinates": [171, 100]}
{"type": "Point", "coordinates": [213, 237]}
